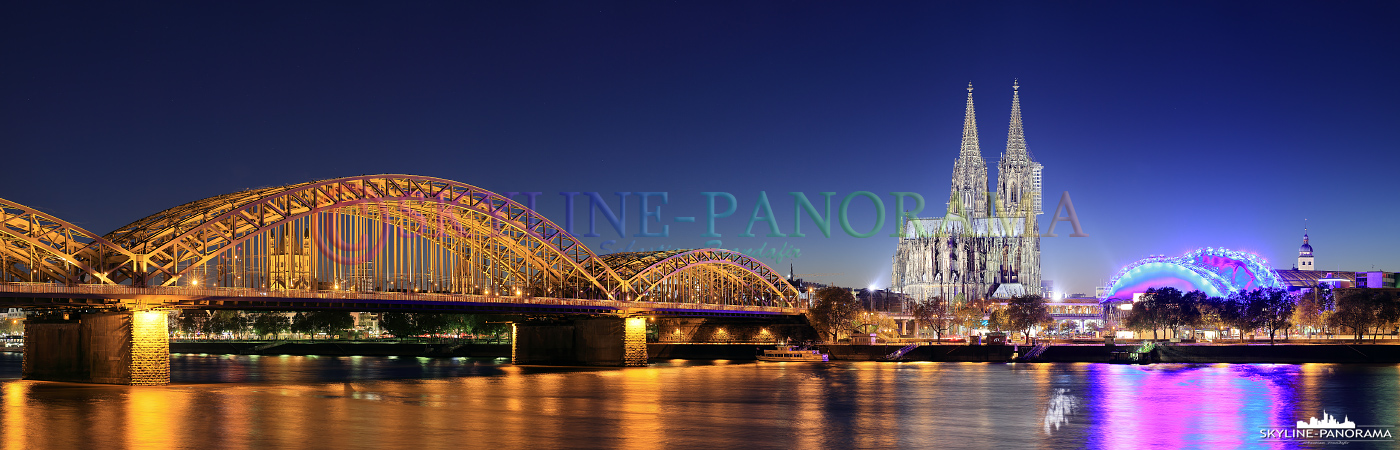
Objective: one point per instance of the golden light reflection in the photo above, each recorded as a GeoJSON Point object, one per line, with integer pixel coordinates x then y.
{"type": "Point", "coordinates": [641, 408]}
{"type": "Point", "coordinates": [15, 410]}
{"type": "Point", "coordinates": [149, 422]}
{"type": "Point", "coordinates": [811, 418]}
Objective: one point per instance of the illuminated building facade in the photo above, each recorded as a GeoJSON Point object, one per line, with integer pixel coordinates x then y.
{"type": "Point", "coordinates": [986, 246]}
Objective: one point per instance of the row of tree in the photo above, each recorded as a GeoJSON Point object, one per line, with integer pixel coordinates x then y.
{"type": "Point", "coordinates": [835, 313]}
{"type": "Point", "coordinates": [1273, 310]}
{"type": "Point", "coordinates": [246, 324]}
{"type": "Point", "coordinates": [1169, 309]}
{"type": "Point", "coordinates": [1022, 313]}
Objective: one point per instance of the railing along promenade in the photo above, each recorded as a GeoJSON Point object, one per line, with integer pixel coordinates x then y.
{"type": "Point", "coordinates": [174, 295]}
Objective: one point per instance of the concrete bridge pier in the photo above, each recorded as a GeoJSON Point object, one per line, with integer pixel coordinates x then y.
{"type": "Point", "coordinates": [119, 347]}
{"type": "Point", "coordinates": [594, 341]}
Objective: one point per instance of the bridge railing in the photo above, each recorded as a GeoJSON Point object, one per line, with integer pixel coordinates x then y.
{"type": "Point", "coordinates": [198, 293]}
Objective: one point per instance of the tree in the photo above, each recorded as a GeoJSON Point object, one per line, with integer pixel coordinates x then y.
{"type": "Point", "coordinates": [461, 323]}
{"type": "Point", "coordinates": [328, 322]}
{"type": "Point", "coordinates": [833, 312]}
{"type": "Point", "coordinates": [1213, 314]}
{"type": "Point", "coordinates": [1314, 308]}
{"type": "Point", "coordinates": [968, 316]}
{"type": "Point", "coordinates": [1243, 310]}
{"type": "Point", "coordinates": [1275, 309]}
{"type": "Point", "coordinates": [226, 321]}
{"type": "Point", "coordinates": [1024, 312]}
{"type": "Point", "coordinates": [1158, 308]}
{"type": "Point", "coordinates": [997, 321]}
{"type": "Point", "coordinates": [1388, 312]}
{"type": "Point", "coordinates": [192, 321]}
{"type": "Point", "coordinates": [881, 324]}
{"type": "Point", "coordinates": [273, 323]}
{"type": "Point", "coordinates": [1188, 311]}
{"type": "Point", "coordinates": [403, 325]}
{"type": "Point", "coordinates": [1166, 308]}
{"type": "Point", "coordinates": [1362, 310]}
{"type": "Point", "coordinates": [1140, 318]}
{"type": "Point", "coordinates": [1356, 311]}
{"type": "Point", "coordinates": [933, 313]}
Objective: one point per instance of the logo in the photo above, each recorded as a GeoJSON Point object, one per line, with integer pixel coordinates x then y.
{"type": "Point", "coordinates": [1328, 430]}
{"type": "Point", "coordinates": [1327, 422]}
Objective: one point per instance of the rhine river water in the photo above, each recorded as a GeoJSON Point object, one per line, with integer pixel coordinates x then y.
{"type": "Point", "coordinates": [427, 403]}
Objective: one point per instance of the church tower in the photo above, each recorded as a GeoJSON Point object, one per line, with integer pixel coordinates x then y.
{"type": "Point", "coordinates": [1018, 176]}
{"type": "Point", "coordinates": [1305, 254]}
{"type": "Point", "coordinates": [970, 170]}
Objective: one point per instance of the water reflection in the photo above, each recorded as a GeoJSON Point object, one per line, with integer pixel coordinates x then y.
{"type": "Point", "coordinates": [274, 402]}
{"type": "Point", "coordinates": [1062, 405]}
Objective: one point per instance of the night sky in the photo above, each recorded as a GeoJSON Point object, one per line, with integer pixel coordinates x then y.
{"type": "Point", "coordinates": [1172, 125]}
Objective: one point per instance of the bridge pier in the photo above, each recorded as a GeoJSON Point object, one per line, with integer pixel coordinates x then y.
{"type": "Point", "coordinates": [122, 347]}
{"type": "Point", "coordinates": [594, 341]}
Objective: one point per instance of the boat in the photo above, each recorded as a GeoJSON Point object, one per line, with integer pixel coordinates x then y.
{"type": "Point", "coordinates": [793, 353]}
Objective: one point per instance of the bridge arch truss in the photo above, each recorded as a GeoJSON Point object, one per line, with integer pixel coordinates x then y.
{"type": "Point", "coordinates": [375, 233]}
{"type": "Point", "coordinates": [40, 248]}
{"type": "Point", "coordinates": [708, 275]}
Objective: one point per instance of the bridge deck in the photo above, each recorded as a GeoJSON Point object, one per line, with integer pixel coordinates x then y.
{"type": "Point", "coordinates": [54, 295]}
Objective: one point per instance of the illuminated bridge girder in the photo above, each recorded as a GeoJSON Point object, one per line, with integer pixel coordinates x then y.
{"type": "Point", "coordinates": [702, 276]}
{"type": "Point", "coordinates": [406, 233]}
{"type": "Point", "coordinates": [37, 247]}
{"type": "Point", "coordinates": [367, 237]}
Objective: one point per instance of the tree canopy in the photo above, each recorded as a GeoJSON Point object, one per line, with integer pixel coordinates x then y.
{"type": "Point", "coordinates": [1024, 312]}
{"type": "Point", "coordinates": [834, 310]}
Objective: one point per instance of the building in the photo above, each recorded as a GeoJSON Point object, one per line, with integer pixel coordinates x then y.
{"type": "Point", "coordinates": [1376, 280]}
{"type": "Point", "coordinates": [1219, 272]}
{"type": "Point", "coordinates": [987, 245]}
{"type": "Point", "coordinates": [1077, 314]}
{"type": "Point", "coordinates": [1304, 276]}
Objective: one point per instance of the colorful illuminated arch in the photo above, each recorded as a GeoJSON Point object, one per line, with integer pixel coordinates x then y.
{"type": "Point", "coordinates": [1215, 271]}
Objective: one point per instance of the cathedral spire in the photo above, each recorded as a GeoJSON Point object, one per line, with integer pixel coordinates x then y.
{"type": "Point", "coordinates": [969, 136]}
{"type": "Point", "coordinates": [1016, 136]}
{"type": "Point", "coordinates": [1018, 176]}
{"type": "Point", "coordinates": [970, 170]}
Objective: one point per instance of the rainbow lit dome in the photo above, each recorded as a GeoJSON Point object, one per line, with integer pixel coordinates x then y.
{"type": "Point", "coordinates": [1215, 271]}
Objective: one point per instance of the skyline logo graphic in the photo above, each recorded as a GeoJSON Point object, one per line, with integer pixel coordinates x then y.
{"type": "Point", "coordinates": [1328, 421]}
{"type": "Point", "coordinates": [1328, 431]}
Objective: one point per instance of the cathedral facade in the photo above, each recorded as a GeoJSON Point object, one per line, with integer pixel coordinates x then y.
{"type": "Point", "coordinates": [987, 245]}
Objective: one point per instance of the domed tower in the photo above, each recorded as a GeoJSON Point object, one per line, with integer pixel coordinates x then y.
{"type": "Point", "coordinates": [1305, 256]}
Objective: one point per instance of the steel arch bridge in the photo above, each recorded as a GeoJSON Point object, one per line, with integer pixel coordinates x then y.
{"type": "Point", "coordinates": [367, 242]}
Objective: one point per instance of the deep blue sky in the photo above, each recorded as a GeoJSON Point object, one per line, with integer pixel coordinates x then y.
{"type": "Point", "coordinates": [1172, 125]}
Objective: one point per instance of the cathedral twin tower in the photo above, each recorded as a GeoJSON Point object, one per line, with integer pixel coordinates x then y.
{"type": "Point", "coordinates": [1018, 176]}
{"type": "Point", "coordinates": [987, 246]}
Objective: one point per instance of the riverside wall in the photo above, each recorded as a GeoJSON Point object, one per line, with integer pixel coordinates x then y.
{"type": "Point", "coordinates": [1186, 353]}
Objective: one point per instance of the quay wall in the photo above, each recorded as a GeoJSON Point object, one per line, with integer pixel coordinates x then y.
{"type": "Point", "coordinates": [1205, 354]}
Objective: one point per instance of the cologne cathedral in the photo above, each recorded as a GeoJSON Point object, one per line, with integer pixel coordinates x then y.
{"type": "Point", "coordinates": [988, 244]}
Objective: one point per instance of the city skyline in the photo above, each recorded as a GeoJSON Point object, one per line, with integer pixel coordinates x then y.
{"type": "Point", "coordinates": [1172, 129]}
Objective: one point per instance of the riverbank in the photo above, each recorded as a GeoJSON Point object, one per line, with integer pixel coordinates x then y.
{"type": "Point", "coordinates": [1174, 353]}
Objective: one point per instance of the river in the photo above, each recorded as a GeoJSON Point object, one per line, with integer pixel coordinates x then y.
{"type": "Point", "coordinates": [218, 401]}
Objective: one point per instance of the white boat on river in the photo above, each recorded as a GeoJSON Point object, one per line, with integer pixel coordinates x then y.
{"type": "Point", "coordinates": [792, 353]}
